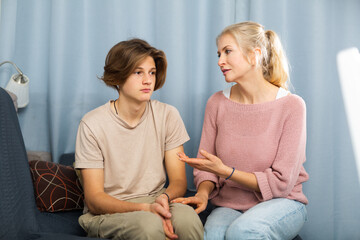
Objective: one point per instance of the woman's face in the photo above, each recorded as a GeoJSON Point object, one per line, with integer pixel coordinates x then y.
{"type": "Point", "coordinates": [232, 61]}
{"type": "Point", "coordinates": [140, 84]}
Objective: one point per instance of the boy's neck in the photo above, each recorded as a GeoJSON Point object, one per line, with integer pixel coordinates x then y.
{"type": "Point", "coordinates": [130, 112]}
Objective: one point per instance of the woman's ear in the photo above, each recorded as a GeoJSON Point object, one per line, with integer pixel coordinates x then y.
{"type": "Point", "coordinates": [255, 57]}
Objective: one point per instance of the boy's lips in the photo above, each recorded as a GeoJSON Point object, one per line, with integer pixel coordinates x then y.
{"type": "Point", "coordinates": [146, 90]}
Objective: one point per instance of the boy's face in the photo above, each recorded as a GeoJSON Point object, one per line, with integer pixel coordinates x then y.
{"type": "Point", "coordinates": [140, 84]}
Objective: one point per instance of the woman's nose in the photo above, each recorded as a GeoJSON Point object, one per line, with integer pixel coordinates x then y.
{"type": "Point", "coordinates": [221, 61]}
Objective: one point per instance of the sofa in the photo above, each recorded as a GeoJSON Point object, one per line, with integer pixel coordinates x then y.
{"type": "Point", "coordinates": [25, 211]}
{"type": "Point", "coordinates": [19, 216]}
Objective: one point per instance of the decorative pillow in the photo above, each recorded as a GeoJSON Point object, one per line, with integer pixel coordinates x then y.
{"type": "Point", "coordinates": [56, 186]}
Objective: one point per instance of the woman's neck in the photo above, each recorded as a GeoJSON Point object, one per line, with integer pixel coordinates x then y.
{"type": "Point", "coordinates": [253, 91]}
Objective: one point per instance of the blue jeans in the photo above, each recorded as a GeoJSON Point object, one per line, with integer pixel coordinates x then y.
{"type": "Point", "coordinates": [278, 218]}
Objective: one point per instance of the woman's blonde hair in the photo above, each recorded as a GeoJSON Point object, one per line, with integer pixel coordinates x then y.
{"type": "Point", "coordinates": [125, 57]}
{"type": "Point", "coordinates": [273, 61]}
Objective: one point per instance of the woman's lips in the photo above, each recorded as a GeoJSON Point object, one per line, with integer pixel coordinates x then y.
{"type": "Point", "coordinates": [225, 71]}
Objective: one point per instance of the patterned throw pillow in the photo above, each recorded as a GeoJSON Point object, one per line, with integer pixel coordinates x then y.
{"type": "Point", "coordinates": [56, 186]}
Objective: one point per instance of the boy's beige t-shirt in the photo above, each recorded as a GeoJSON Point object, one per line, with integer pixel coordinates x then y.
{"type": "Point", "coordinates": [132, 157]}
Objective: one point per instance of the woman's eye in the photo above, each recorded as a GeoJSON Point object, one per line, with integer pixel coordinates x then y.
{"type": "Point", "coordinates": [138, 73]}
{"type": "Point", "coordinates": [227, 51]}
{"type": "Point", "coordinates": [152, 73]}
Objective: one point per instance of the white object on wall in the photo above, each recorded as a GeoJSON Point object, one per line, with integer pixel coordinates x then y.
{"type": "Point", "coordinates": [20, 89]}
{"type": "Point", "coordinates": [19, 85]}
{"type": "Point", "coordinates": [348, 62]}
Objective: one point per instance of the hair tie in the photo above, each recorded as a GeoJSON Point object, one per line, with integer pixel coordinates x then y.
{"type": "Point", "coordinates": [230, 174]}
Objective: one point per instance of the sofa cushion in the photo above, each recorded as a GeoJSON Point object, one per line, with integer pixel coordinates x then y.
{"type": "Point", "coordinates": [56, 186]}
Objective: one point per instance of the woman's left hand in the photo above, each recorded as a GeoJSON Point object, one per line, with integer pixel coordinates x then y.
{"type": "Point", "coordinates": [210, 163]}
{"type": "Point", "coordinates": [198, 201]}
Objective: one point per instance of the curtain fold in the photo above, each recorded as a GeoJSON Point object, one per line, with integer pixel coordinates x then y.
{"type": "Point", "coordinates": [61, 46]}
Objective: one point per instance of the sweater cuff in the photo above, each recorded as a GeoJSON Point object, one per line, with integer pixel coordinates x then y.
{"type": "Point", "coordinates": [265, 190]}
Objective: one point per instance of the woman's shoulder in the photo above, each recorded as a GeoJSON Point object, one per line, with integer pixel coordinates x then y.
{"type": "Point", "coordinates": [291, 104]}
{"type": "Point", "coordinates": [217, 95]}
{"type": "Point", "coordinates": [216, 98]}
{"type": "Point", "coordinates": [295, 100]}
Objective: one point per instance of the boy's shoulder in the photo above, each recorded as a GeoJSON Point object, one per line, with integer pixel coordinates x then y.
{"type": "Point", "coordinates": [96, 113]}
{"type": "Point", "coordinates": [158, 106]}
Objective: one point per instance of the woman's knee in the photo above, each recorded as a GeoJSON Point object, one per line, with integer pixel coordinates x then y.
{"type": "Point", "coordinates": [246, 231]}
{"type": "Point", "coordinates": [282, 223]}
{"type": "Point", "coordinates": [218, 222]}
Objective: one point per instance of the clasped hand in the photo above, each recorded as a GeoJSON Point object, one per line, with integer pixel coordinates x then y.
{"type": "Point", "coordinates": [161, 208]}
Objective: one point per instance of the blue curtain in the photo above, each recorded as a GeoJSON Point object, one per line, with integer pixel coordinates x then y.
{"type": "Point", "coordinates": [61, 46]}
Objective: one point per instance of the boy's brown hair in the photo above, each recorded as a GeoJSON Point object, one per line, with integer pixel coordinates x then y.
{"type": "Point", "coordinates": [124, 57]}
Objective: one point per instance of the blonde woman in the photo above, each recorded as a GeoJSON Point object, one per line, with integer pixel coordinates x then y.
{"type": "Point", "coordinates": [252, 149]}
{"type": "Point", "coordinates": [125, 148]}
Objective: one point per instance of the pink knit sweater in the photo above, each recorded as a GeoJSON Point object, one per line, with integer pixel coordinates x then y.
{"type": "Point", "coordinates": [267, 139]}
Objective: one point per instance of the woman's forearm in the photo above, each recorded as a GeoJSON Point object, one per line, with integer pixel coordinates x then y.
{"type": "Point", "coordinates": [246, 179]}
{"type": "Point", "coordinates": [205, 188]}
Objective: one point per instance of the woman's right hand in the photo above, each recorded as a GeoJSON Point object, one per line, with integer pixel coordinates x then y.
{"type": "Point", "coordinates": [200, 202]}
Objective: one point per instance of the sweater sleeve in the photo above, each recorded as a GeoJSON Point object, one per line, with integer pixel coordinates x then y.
{"type": "Point", "coordinates": [207, 143]}
{"type": "Point", "coordinates": [279, 180]}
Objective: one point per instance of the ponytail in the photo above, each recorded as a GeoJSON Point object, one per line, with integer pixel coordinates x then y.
{"type": "Point", "coordinates": [276, 68]}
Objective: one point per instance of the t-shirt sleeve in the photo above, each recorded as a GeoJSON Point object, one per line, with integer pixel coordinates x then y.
{"type": "Point", "coordinates": [176, 134]}
{"type": "Point", "coordinates": [280, 179]}
{"type": "Point", "coordinates": [207, 143]}
{"type": "Point", "coordinates": [87, 151]}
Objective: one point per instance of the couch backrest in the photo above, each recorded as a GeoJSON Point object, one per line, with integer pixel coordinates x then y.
{"type": "Point", "coordinates": [17, 201]}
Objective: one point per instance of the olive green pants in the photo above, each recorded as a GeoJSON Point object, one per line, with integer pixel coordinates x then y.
{"type": "Point", "coordinates": [142, 224]}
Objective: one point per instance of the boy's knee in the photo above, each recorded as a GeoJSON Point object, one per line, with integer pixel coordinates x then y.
{"type": "Point", "coordinates": [146, 226]}
{"type": "Point", "coordinates": [186, 222]}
